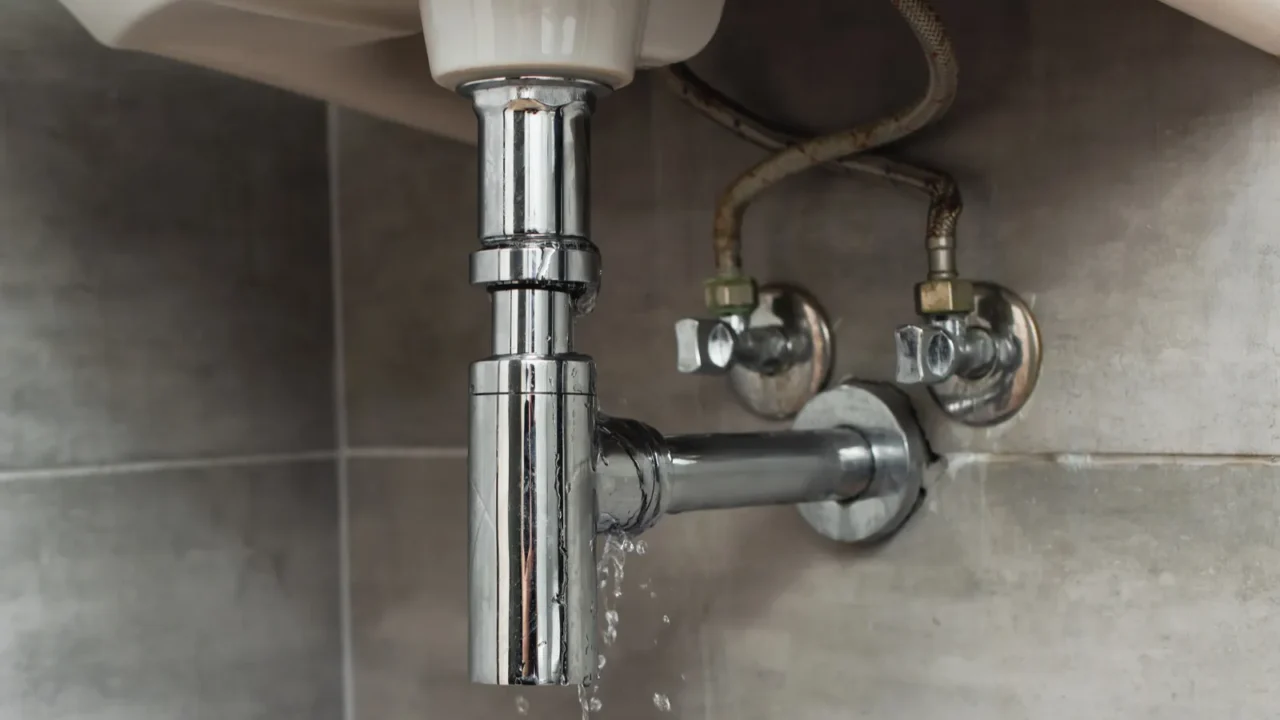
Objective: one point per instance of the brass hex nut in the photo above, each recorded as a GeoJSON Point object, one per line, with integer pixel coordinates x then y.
{"type": "Point", "coordinates": [731, 295]}
{"type": "Point", "coordinates": [944, 297]}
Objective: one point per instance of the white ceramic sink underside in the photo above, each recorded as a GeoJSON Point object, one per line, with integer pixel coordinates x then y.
{"type": "Point", "coordinates": [368, 54]}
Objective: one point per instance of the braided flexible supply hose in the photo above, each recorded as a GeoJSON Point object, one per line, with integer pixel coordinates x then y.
{"type": "Point", "coordinates": [945, 203]}
{"type": "Point", "coordinates": [796, 158]}
{"type": "Point", "coordinates": [724, 111]}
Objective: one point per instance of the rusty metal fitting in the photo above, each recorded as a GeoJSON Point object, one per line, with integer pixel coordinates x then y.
{"type": "Point", "coordinates": [731, 295]}
{"type": "Point", "coordinates": [944, 297]}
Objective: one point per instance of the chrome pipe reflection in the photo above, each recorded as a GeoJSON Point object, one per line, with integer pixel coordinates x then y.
{"type": "Point", "coordinates": [532, 509]}
{"type": "Point", "coordinates": [532, 321]}
{"type": "Point", "coordinates": [545, 473]}
{"type": "Point", "coordinates": [710, 472]}
{"type": "Point", "coordinates": [534, 156]}
{"type": "Point", "coordinates": [642, 476]}
{"type": "Point", "coordinates": [533, 538]}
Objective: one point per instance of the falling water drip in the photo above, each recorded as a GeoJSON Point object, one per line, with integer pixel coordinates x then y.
{"type": "Point", "coordinates": [610, 568]}
{"type": "Point", "coordinates": [618, 560]}
{"type": "Point", "coordinates": [666, 619]}
{"type": "Point", "coordinates": [662, 702]}
{"type": "Point", "coordinates": [522, 705]}
{"type": "Point", "coordinates": [582, 699]}
{"type": "Point", "coordinates": [611, 626]}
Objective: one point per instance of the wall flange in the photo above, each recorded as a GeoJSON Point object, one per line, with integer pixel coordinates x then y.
{"type": "Point", "coordinates": [883, 415]}
{"type": "Point", "coordinates": [780, 392]}
{"type": "Point", "coordinates": [777, 356]}
{"type": "Point", "coordinates": [1004, 387]}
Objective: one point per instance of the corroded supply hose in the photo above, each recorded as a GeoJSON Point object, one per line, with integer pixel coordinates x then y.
{"type": "Point", "coordinates": [797, 155]}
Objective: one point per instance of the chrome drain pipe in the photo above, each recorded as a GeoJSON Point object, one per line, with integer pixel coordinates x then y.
{"type": "Point", "coordinates": [532, 439]}
{"type": "Point", "coordinates": [547, 474]}
{"type": "Point", "coordinates": [642, 476]}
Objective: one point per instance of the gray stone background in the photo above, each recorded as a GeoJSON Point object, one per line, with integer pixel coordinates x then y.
{"type": "Point", "coordinates": [208, 512]}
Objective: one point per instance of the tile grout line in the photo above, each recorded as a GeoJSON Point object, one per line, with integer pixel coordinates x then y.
{"type": "Point", "coordinates": [340, 429]}
{"type": "Point", "coordinates": [1089, 461]}
{"type": "Point", "coordinates": [406, 453]}
{"type": "Point", "coordinates": [1081, 460]}
{"type": "Point", "coordinates": [154, 466]}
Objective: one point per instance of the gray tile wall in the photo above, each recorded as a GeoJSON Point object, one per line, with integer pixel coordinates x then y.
{"type": "Point", "coordinates": [168, 501]}
{"type": "Point", "coordinates": [164, 282]}
{"type": "Point", "coordinates": [172, 516]}
{"type": "Point", "coordinates": [1032, 590]}
{"type": "Point", "coordinates": [187, 593]}
{"type": "Point", "coordinates": [1121, 163]}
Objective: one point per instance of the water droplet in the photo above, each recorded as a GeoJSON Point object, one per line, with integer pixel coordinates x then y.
{"type": "Point", "coordinates": [600, 661]}
{"type": "Point", "coordinates": [644, 585]}
{"type": "Point", "coordinates": [611, 617]}
{"type": "Point", "coordinates": [666, 619]}
{"type": "Point", "coordinates": [662, 702]}
{"type": "Point", "coordinates": [522, 705]}
{"type": "Point", "coordinates": [603, 583]}
{"type": "Point", "coordinates": [653, 594]}
{"type": "Point", "coordinates": [682, 677]}
{"type": "Point", "coordinates": [595, 705]}
{"type": "Point", "coordinates": [627, 544]}
{"type": "Point", "coordinates": [642, 547]}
